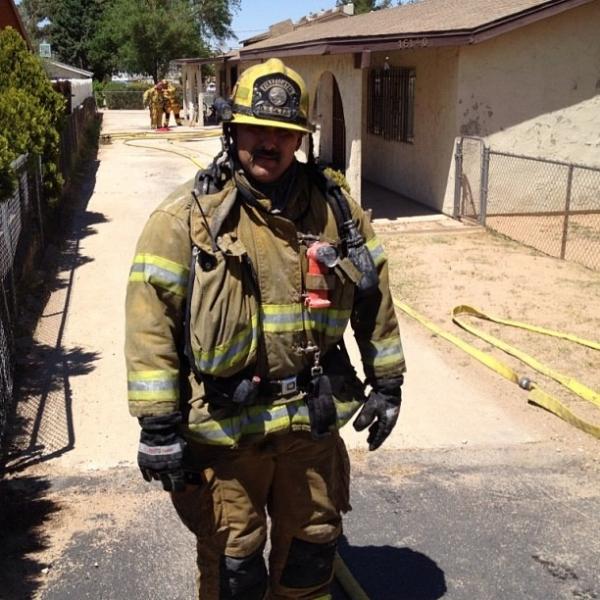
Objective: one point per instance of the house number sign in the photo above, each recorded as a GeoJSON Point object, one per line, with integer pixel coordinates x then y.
{"type": "Point", "coordinates": [413, 43]}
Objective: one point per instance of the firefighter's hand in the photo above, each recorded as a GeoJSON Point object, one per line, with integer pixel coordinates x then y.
{"type": "Point", "coordinates": [380, 412]}
{"type": "Point", "coordinates": [160, 453]}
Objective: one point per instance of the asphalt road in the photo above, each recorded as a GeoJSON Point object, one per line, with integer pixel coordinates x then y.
{"type": "Point", "coordinates": [460, 524]}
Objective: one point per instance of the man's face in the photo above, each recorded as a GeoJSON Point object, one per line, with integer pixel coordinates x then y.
{"type": "Point", "coordinates": [266, 152]}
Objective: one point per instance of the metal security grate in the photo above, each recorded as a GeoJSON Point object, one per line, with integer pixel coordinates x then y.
{"type": "Point", "coordinates": [390, 103]}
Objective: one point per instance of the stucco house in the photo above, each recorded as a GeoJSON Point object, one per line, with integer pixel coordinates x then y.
{"type": "Point", "coordinates": [393, 90]}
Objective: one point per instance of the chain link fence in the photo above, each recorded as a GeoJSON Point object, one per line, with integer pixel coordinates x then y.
{"type": "Point", "coordinates": [22, 237]}
{"type": "Point", "coordinates": [20, 224]}
{"type": "Point", "coordinates": [552, 206]}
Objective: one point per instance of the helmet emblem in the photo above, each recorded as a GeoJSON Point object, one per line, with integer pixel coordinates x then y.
{"type": "Point", "coordinates": [277, 96]}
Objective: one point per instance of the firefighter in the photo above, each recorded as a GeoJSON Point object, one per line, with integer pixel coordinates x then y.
{"type": "Point", "coordinates": [242, 285]}
{"type": "Point", "coordinates": [170, 103]}
{"type": "Point", "coordinates": [154, 101]}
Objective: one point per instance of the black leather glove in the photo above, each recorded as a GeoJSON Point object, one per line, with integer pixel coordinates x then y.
{"type": "Point", "coordinates": [380, 411]}
{"type": "Point", "coordinates": [160, 453]}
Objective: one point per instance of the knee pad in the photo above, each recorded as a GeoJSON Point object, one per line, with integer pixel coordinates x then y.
{"type": "Point", "coordinates": [308, 564]}
{"type": "Point", "coordinates": [243, 578]}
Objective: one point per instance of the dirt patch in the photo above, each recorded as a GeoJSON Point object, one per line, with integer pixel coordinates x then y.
{"type": "Point", "coordinates": [436, 270]}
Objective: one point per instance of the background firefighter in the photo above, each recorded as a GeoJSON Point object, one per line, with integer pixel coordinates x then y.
{"type": "Point", "coordinates": [242, 285]}
{"type": "Point", "coordinates": [153, 99]}
{"type": "Point", "coordinates": [170, 102]}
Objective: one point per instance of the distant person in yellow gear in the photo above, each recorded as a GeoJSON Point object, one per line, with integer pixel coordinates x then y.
{"type": "Point", "coordinates": [153, 99]}
{"type": "Point", "coordinates": [170, 103]}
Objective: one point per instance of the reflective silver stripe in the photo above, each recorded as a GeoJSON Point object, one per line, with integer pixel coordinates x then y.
{"type": "Point", "coordinates": [226, 355]}
{"type": "Point", "coordinates": [382, 352]}
{"type": "Point", "coordinates": [152, 385]}
{"type": "Point", "coordinates": [161, 450]}
{"type": "Point", "coordinates": [161, 272]}
{"type": "Point", "coordinates": [262, 420]}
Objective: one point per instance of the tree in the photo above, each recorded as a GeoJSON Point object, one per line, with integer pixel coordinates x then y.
{"type": "Point", "coordinates": [365, 6]}
{"type": "Point", "coordinates": [34, 14]}
{"type": "Point", "coordinates": [30, 113]}
{"type": "Point", "coordinates": [72, 25]}
{"type": "Point", "coordinates": [143, 36]}
{"type": "Point", "coordinates": [68, 25]}
{"type": "Point", "coordinates": [214, 18]}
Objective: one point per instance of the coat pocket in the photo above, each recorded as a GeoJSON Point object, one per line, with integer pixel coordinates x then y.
{"type": "Point", "coordinates": [223, 317]}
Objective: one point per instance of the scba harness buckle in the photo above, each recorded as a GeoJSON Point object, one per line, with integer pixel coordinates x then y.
{"type": "Point", "coordinates": [289, 385]}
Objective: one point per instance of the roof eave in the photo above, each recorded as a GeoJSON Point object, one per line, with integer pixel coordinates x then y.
{"type": "Point", "coordinates": [417, 39]}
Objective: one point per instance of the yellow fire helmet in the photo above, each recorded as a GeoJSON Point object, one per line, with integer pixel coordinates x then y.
{"type": "Point", "coordinates": [271, 95]}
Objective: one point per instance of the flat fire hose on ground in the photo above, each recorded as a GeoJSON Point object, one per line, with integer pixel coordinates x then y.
{"type": "Point", "coordinates": [130, 142]}
{"type": "Point", "coordinates": [536, 395]}
{"type": "Point", "coordinates": [345, 578]}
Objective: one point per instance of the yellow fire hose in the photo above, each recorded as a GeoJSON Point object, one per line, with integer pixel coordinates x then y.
{"type": "Point", "coordinates": [107, 138]}
{"type": "Point", "coordinates": [536, 395]}
{"type": "Point", "coordinates": [190, 157]}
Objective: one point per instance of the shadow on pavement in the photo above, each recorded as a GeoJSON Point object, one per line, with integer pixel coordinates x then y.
{"type": "Point", "coordinates": [41, 426]}
{"type": "Point", "coordinates": [390, 573]}
{"type": "Point", "coordinates": [23, 510]}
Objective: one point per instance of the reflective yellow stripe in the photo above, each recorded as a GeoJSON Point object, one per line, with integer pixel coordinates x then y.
{"type": "Point", "coordinates": [376, 249]}
{"type": "Point", "coordinates": [224, 356]}
{"type": "Point", "coordinates": [280, 318]}
{"type": "Point", "coordinates": [262, 420]}
{"type": "Point", "coordinates": [283, 318]}
{"type": "Point", "coordinates": [382, 352]}
{"type": "Point", "coordinates": [160, 272]}
{"type": "Point", "coordinates": [331, 321]}
{"type": "Point", "coordinates": [153, 385]}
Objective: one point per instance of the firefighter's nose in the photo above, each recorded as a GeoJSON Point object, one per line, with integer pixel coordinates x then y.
{"type": "Point", "coordinates": [269, 138]}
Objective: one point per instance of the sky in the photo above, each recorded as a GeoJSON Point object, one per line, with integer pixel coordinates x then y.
{"type": "Point", "coordinates": [255, 16]}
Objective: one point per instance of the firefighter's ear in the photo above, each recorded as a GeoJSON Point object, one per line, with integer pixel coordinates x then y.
{"type": "Point", "coordinates": [299, 141]}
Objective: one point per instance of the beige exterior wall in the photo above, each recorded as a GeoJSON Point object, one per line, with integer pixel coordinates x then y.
{"type": "Point", "coordinates": [418, 170]}
{"type": "Point", "coordinates": [535, 90]}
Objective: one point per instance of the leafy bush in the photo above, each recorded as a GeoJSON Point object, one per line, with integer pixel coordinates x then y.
{"type": "Point", "coordinates": [30, 114]}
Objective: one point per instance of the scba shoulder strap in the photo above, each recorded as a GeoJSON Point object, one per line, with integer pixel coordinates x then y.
{"type": "Point", "coordinates": [353, 244]}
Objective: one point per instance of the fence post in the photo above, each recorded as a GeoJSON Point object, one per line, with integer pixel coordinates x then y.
{"type": "Point", "coordinates": [485, 171]}
{"type": "Point", "coordinates": [563, 245]}
{"type": "Point", "coordinates": [458, 160]}
{"type": "Point", "coordinates": [37, 176]}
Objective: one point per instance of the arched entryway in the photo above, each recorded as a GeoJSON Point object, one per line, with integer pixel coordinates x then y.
{"type": "Point", "coordinates": [330, 141]}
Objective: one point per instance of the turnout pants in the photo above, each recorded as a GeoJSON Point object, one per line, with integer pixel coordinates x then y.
{"type": "Point", "coordinates": [300, 483]}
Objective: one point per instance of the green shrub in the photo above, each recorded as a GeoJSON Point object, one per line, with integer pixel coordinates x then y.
{"type": "Point", "coordinates": [30, 114]}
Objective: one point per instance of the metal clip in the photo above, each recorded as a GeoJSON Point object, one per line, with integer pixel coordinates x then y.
{"type": "Point", "coordinates": [317, 369]}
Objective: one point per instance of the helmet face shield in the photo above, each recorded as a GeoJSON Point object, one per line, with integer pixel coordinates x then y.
{"type": "Point", "coordinates": [271, 95]}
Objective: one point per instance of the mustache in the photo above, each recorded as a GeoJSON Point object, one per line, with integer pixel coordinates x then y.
{"type": "Point", "coordinates": [265, 153]}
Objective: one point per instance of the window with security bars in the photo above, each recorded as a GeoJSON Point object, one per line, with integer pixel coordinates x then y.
{"type": "Point", "coordinates": [391, 99]}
